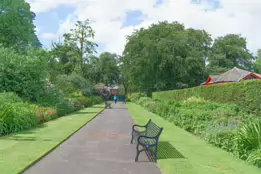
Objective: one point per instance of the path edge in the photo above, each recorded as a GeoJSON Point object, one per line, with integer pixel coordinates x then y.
{"type": "Point", "coordinates": [53, 148]}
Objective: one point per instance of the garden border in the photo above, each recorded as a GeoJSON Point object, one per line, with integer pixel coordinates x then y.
{"type": "Point", "coordinates": [53, 148]}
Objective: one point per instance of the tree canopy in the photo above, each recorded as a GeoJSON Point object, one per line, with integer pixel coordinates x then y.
{"type": "Point", "coordinates": [166, 56]}
{"type": "Point", "coordinates": [17, 29]}
{"type": "Point", "coordinates": [228, 52]}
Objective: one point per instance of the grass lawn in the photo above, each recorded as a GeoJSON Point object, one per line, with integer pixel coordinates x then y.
{"type": "Point", "coordinates": [182, 153]}
{"type": "Point", "coordinates": [19, 150]}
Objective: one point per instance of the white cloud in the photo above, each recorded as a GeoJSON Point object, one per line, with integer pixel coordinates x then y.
{"type": "Point", "coordinates": [108, 16]}
{"type": "Point", "coordinates": [37, 30]}
{"type": "Point", "coordinates": [49, 36]}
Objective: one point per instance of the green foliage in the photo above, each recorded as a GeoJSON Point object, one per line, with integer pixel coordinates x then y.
{"type": "Point", "coordinates": [64, 108]}
{"type": "Point", "coordinates": [250, 135]}
{"type": "Point", "coordinates": [228, 52]}
{"type": "Point", "coordinates": [165, 56]}
{"type": "Point", "coordinates": [23, 75]}
{"type": "Point", "coordinates": [17, 29]}
{"type": "Point", "coordinates": [244, 94]}
{"type": "Point", "coordinates": [9, 97]}
{"type": "Point", "coordinates": [109, 68]}
{"type": "Point", "coordinates": [93, 100]}
{"type": "Point", "coordinates": [223, 125]}
{"type": "Point", "coordinates": [15, 117]}
{"type": "Point", "coordinates": [49, 97]}
{"type": "Point", "coordinates": [255, 158]}
{"type": "Point", "coordinates": [72, 83]}
{"type": "Point", "coordinates": [44, 114]}
{"type": "Point", "coordinates": [257, 63]}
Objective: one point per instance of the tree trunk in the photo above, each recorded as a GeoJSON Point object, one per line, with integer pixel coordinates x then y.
{"type": "Point", "coordinates": [149, 93]}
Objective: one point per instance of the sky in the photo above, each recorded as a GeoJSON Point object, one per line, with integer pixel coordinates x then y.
{"type": "Point", "coordinates": [113, 20]}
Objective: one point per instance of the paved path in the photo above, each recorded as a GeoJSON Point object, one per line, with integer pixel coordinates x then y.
{"type": "Point", "coordinates": [101, 147]}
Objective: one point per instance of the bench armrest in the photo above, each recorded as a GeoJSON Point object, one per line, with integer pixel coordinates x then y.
{"type": "Point", "coordinates": [135, 125]}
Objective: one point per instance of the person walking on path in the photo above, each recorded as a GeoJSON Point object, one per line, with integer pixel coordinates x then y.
{"type": "Point", "coordinates": [115, 98]}
{"type": "Point", "coordinates": [125, 98]}
{"type": "Point", "coordinates": [105, 93]}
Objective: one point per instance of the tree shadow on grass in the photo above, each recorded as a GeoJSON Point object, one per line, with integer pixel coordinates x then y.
{"type": "Point", "coordinates": [23, 138]}
{"type": "Point", "coordinates": [165, 151]}
{"type": "Point", "coordinates": [24, 132]}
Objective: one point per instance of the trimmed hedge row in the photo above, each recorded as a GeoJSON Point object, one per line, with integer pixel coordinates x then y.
{"type": "Point", "coordinates": [246, 94]}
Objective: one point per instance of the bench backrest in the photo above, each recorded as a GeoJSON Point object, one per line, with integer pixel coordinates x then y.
{"type": "Point", "coordinates": [153, 130]}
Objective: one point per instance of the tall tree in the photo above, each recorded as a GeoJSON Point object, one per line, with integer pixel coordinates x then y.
{"type": "Point", "coordinates": [257, 63]}
{"type": "Point", "coordinates": [228, 52]}
{"type": "Point", "coordinates": [16, 27]}
{"type": "Point", "coordinates": [80, 38]}
{"type": "Point", "coordinates": [166, 56]}
{"type": "Point", "coordinates": [109, 68]}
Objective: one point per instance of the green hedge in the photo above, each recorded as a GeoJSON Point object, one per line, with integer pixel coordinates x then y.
{"type": "Point", "coordinates": [246, 94]}
{"type": "Point", "coordinates": [223, 125]}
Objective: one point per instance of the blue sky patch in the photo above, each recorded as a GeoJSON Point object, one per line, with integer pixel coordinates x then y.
{"type": "Point", "coordinates": [49, 22]}
{"type": "Point", "coordinates": [133, 18]}
{"type": "Point", "coordinates": [212, 4]}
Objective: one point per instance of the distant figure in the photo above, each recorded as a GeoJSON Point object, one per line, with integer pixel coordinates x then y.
{"type": "Point", "coordinates": [125, 98]}
{"type": "Point", "coordinates": [105, 93]}
{"type": "Point", "coordinates": [115, 98]}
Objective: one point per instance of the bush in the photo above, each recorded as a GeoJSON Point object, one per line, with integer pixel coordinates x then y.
{"type": "Point", "coordinates": [250, 135]}
{"type": "Point", "coordinates": [49, 97]}
{"type": "Point", "coordinates": [24, 75]}
{"type": "Point", "coordinates": [9, 97]}
{"type": "Point", "coordinates": [15, 117]}
{"type": "Point", "coordinates": [222, 125]}
{"type": "Point", "coordinates": [63, 83]}
{"type": "Point", "coordinates": [45, 114]}
{"type": "Point", "coordinates": [244, 94]}
{"type": "Point", "coordinates": [83, 101]}
{"type": "Point", "coordinates": [64, 108]}
{"type": "Point", "coordinates": [94, 100]}
{"type": "Point", "coordinates": [72, 83]}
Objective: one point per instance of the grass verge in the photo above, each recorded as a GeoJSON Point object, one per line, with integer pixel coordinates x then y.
{"type": "Point", "coordinates": [182, 153]}
{"type": "Point", "coordinates": [21, 150]}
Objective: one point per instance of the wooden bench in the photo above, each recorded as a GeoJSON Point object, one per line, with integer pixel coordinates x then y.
{"type": "Point", "coordinates": [148, 138]}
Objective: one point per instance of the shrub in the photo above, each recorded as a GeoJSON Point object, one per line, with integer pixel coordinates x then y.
{"type": "Point", "coordinates": [24, 75]}
{"type": "Point", "coordinates": [83, 101]}
{"type": "Point", "coordinates": [9, 97]}
{"type": "Point", "coordinates": [95, 100]}
{"type": "Point", "coordinates": [222, 135]}
{"type": "Point", "coordinates": [49, 97]}
{"type": "Point", "coordinates": [250, 135]}
{"type": "Point", "coordinates": [72, 83]}
{"type": "Point", "coordinates": [63, 83]}
{"type": "Point", "coordinates": [244, 94]}
{"type": "Point", "coordinates": [222, 125]}
{"type": "Point", "coordinates": [64, 108]}
{"type": "Point", "coordinates": [255, 158]}
{"type": "Point", "coordinates": [16, 117]}
{"type": "Point", "coordinates": [44, 114]}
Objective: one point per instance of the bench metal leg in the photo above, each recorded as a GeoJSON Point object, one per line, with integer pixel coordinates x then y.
{"type": "Point", "coordinates": [138, 152]}
{"type": "Point", "coordinates": [131, 138]}
{"type": "Point", "coordinates": [155, 154]}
